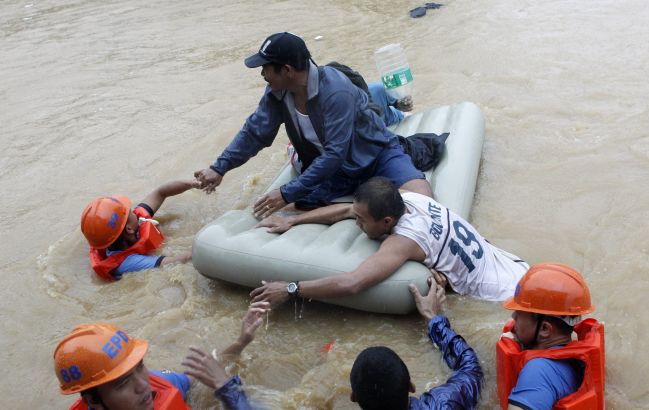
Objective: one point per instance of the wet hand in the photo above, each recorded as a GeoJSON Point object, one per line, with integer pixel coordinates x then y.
{"type": "Point", "coordinates": [205, 368]}
{"type": "Point", "coordinates": [209, 179]}
{"type": "Point", "coordinates": [268, 204]}
{"type": "Point", "coordinates": [276, 224]}
{"type": "Point", "coordinates": [429, 305]}
{"type": "Point", "coordinates": [440, 279]}
{"type": "Point", "coordinates": [252, 320]}
{"type": "Point", "coordinates": [274, 293]}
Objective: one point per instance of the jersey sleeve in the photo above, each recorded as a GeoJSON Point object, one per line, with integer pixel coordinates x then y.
{"type": "Point", "coordinates": [406, 227]}
{"type": "Point", "coordinates": [179, 380]}
{"type": "Point", "coordinates": [542, 382]}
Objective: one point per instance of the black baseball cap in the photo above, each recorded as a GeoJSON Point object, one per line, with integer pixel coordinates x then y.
{"type": "Point", "coordinates": [280, 48]}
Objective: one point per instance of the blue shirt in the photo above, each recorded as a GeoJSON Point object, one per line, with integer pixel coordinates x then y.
{"type": "Point", "coordinates": [543, 382]}
{"type": "Point", "coordinates": [462, 389]}
{"type": "Point", "coordinates": [179, 381]}
{"type": "Point", "coordinates": [351, 134]}
{"type": "Point", "coordinates": [134, 263]}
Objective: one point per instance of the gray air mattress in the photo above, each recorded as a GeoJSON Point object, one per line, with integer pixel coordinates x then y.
{"type": "Point", "coordinates": [231, 249]}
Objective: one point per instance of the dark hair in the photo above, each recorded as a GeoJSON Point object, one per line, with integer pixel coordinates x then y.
{"type": "Point", "coordinates": [380, 380]}
{"type": "Point", "coordinates": [299, 64]}
{"type": "Point", "coordinates": [382, 198]}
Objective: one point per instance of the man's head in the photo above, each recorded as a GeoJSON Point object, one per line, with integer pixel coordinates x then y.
{"type": "Point", "coordinates": [549, 300]}
{"type": "Point", "coordinates": [377, 206]}
{"type": "Point", "coordinates": [107, 220]}
{"type": "Point", "coordinates": [105, 366]}
{"type": "Point", "coordinates": [281, 49]}
{"type": "Point", "coordinates": [380, 380]}
{"type": "Point", "coordinates": [284, 59]}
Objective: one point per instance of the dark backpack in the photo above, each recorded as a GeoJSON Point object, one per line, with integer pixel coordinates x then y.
{"type": "Point", "coordinates": [357, 79]}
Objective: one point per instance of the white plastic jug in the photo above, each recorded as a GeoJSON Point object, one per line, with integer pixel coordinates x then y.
{"type": "Point", "coordinates": [394, 70]}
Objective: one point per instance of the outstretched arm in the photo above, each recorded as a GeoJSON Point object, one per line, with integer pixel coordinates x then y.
{"type": "Point", "coordinates": [393, 253]}
{"type": "Point", "coordinates": [327, 215]}
{"type": "Point", "coordinates": [210, 372]}
{"type": "Point", "coordinates": [156, 197]}
{"type": "Point", "coordinates": [464, 385]}
{"type": "Point", "coordinates": [251, 321]}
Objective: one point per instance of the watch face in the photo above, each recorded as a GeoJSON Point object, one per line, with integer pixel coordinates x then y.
{"type": "Point", "coordinates": [292, 287]}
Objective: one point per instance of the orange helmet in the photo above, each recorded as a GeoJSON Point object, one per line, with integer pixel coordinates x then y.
{"type": "Point", "coordinates": [104, 219]}
{"type": "Point", "coordinates": [551, 289]}
{"type": "Point", "coordinates": [92, 355]}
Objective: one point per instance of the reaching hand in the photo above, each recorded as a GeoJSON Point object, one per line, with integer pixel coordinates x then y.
{"type": "Point", "coordinates": [274, 293]}
{"type": "Point", "coordinates": [276, 224]}
{"type": "Point", "coordinates": [209, 179]}
{"type": "Point", "coordinates": [439, 278]}
{"type": "Point", "coordinates": [205, 368]}
{"type": "Point", "coordinates": [252, 320]}
{"type": "Point", "coordinates": [429, 305]}
{"type": "Point", "coordinates": [268, 203]}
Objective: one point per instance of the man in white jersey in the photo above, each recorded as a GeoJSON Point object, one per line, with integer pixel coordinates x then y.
{"type": "Point", "coordinates": [415, 227]}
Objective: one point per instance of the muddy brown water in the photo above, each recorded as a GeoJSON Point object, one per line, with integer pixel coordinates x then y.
{"type": "Point", "coordinates": [100, 98]}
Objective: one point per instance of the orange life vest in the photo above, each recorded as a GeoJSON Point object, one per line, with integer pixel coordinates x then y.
{"type": "Point", "coordinates": [166, 396]}
{"type": "Point", "coordinates": [589, 348]}
{"type": "Point", "coordinates": [150, 239]}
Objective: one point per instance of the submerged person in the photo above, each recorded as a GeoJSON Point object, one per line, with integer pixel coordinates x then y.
{"type": "Point", "coordinates": [121, 240]}
{"type": "Point", "coordinates": [545, 366]}
{"type": "Point", "coordinates": [380, 379]}
{"type": "Point", "coordinates": [106, 368]}
{"type": "Point", "coordinates": [416, 228]}
{"type": "Point", "coordinates": [340, 140]}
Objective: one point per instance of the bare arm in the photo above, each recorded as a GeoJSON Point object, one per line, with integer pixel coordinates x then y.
{"type": "Point", "coordinates": [393, 253]}
{"type": "Point", "coordinates": [251, 321]}
{"type": "Point", "coordinates": [156, 197]}
{"type": "Point", "coordinates": [512, 407]}
{"type": "Point", "coordinates": [182, 258]}
{"type": "Point", "coordinates": [327, 215]}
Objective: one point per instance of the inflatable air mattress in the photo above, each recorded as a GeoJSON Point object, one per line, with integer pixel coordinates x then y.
{"type": "Point", "coordinates": [231, 249]}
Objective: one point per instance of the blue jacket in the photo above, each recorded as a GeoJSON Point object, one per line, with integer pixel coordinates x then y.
{"type": "Point", "coordinates": [232, 396]}
{"type": "Point", "coordinates": [462, 389]}
{"type": "Point", "coordinates": [351, 134]}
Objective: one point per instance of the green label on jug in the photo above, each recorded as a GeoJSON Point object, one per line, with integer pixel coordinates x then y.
{"type": "Point", "coordinates": [397, 79]}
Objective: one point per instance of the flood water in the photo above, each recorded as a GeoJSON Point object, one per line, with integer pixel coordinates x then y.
{"type": "Point", "coordinates": [118, 97]}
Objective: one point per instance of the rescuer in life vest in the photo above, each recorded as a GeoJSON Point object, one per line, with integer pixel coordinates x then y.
{"type": "Point", "coordinates": [105, 366]}
{"type": "Point", "coordinates": [544, 368]}
{"type": "Point", "coordinates": [122, 240]}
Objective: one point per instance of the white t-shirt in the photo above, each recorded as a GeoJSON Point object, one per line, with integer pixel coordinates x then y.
{"type": "Point", "coordinates": [453, 247]}
{"type": "Point", "coordinates": [307, 130]}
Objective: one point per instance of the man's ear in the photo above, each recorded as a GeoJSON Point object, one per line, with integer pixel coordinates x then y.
{"type": "Point", "coordinates": [546, 329]}
{"type": "Point", "coordinates": [388, 221]}
{"type": "Point", "coordinates": [412, 387]}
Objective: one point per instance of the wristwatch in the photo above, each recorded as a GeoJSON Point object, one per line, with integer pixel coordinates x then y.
{"type": "Point", "coordinates": [293, 289]}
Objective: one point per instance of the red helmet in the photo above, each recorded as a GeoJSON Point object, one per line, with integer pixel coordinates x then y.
{"type": "Point", "coordinates": [104, 219]}
{"type": "Point", "coordinates": [551, 289]}
{"type": "Point", "coordinates": [92, 355]}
